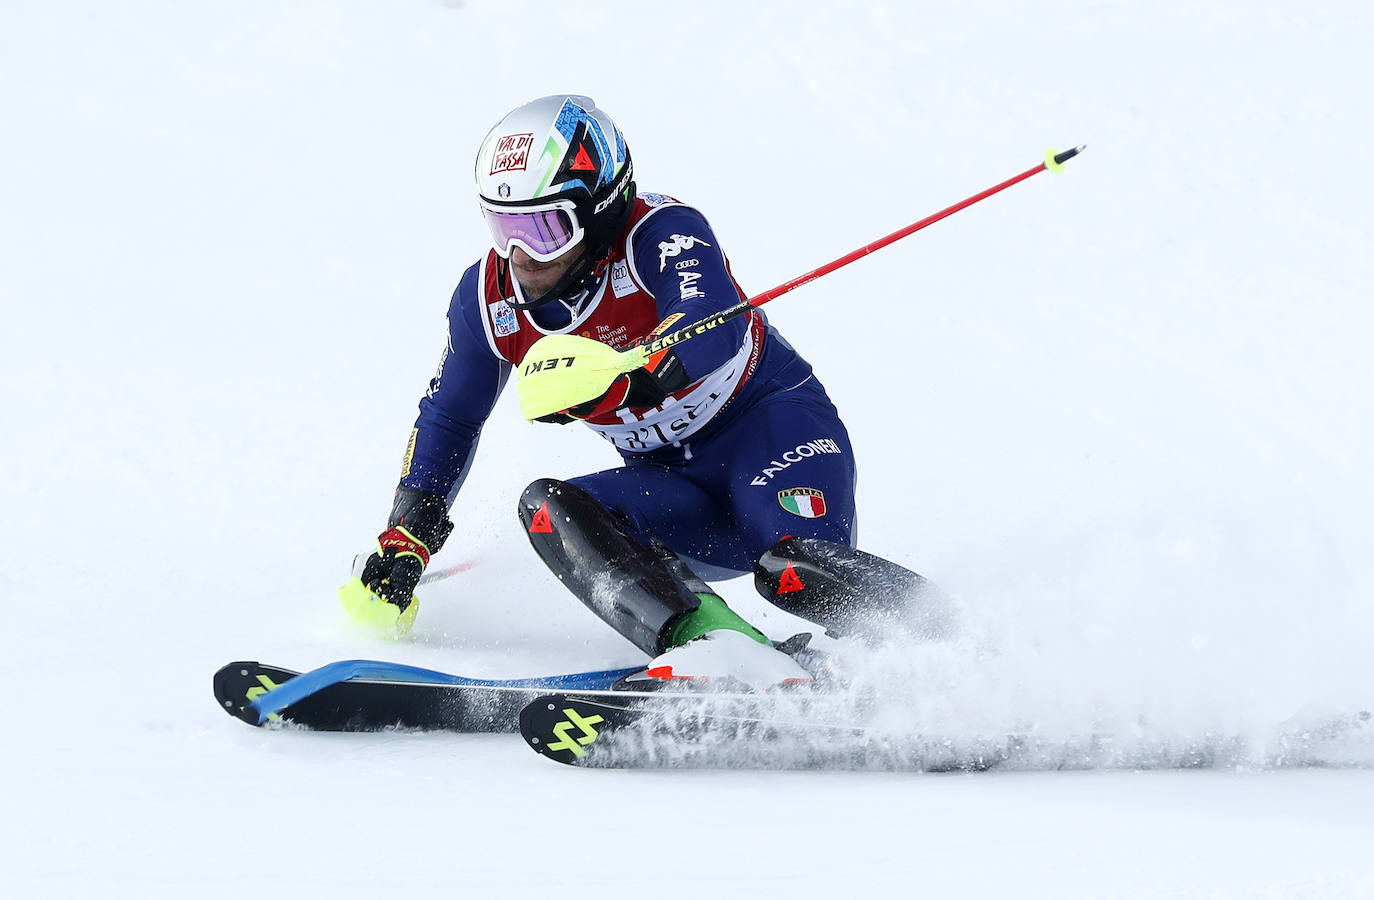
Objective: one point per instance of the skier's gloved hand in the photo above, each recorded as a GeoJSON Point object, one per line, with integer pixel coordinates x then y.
{"type": "Point", "coordinates": [418, 527]}
{"type": "Point", "coordinates": [382, 596]}
{"type": "Point", "coordinates": [643, 388]}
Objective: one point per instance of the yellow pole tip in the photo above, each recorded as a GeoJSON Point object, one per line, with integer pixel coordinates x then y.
{"type": "Point", "coordinates": [1054, 159]}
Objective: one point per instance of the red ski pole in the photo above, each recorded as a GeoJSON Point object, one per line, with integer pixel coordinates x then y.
{"type": "Point", "coordinates": [562, 370]}
{"type": "Point", "coordinates": [1053, 161]}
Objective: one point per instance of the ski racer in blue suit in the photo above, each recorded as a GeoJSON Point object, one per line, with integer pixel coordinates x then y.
{"type": "Point", "coordinates": [734, 459]}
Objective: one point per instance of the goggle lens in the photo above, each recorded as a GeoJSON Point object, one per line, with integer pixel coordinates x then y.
{"type": "Point", "coordinates": [545, 232]}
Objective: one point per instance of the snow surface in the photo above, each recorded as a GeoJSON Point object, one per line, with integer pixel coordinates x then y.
{"type": "Point", "coordinates": [1123, 414]}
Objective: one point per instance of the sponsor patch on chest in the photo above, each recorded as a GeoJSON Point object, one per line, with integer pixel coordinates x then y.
{"type": "Point", "coordinates": [621, 282]}
{"type": "Point", "coordinates": [504, 322]}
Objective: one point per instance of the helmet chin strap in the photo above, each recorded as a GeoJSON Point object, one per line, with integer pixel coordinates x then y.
{"type": "Point", "coordinates": [581, 277]}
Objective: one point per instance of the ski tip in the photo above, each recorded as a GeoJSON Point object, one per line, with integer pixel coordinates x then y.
{"type": "Point", "coordinates": [1054, 160]}
{"type": "Point", "coordinates": [560, 727]}
{"type": "Point", "coordinates": [238, 684]}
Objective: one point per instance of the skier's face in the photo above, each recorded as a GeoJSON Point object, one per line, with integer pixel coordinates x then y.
{"type": "Point", "coordinates": [537, 278]}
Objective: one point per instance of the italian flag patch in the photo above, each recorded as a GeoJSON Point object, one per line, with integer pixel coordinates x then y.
{"type": "Point", "coordinates": [808, 503]}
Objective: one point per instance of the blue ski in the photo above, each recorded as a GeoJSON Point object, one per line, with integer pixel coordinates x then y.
{"type": "Point", "coordinates": [370, 695]}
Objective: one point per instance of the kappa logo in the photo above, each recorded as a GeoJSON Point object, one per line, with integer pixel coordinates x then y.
{"type": "Point", "coordinates": [503, 319]}
{"type": "Point", "coordinates": [621, 282]}
{"type": "Point", "coordinates": [674, 246]}
{"type": "Point", "coordinates": [512, 153]}
{"type": "Point", "coordinates": [794, 456]}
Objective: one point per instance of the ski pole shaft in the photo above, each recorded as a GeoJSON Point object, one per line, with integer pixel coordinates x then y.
{"type": "Point", "coordinates": [1053, 161]}
{"type": "Point", "coordinates": [441, 574]}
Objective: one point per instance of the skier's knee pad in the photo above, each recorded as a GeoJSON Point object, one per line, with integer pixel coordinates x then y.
{"type": "Point", "coordinates": [561, 518]}
{"type": "Point", "coordinates": [850, 592]}
{"type": "Point", "coordinates": [548, 503]}
{"type": "Point", "coordinates": [593, 553]}
{"type": "Point", "coordinates": [535, 501]}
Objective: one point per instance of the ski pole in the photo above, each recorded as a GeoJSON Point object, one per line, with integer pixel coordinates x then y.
{"type": "Point", "coordinates": [1053, 162]}
{"type": "Point", "coordinates": [441, 574]}
{"type": "Point", "coordinates": [562, 370]}
{"type": "Point", "coordinates": [360, 560]}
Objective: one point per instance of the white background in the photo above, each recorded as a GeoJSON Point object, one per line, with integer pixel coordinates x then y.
{"type": "Point", "coordinates": [1122, 414]}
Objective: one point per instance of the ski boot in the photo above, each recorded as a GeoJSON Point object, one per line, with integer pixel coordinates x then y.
{"type": "Point", "coordinates": [724, 659]}
{"type": "Point", "coordinates": [648, 594]}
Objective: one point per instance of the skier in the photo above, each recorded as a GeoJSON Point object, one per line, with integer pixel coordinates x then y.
{"type": "Point", "coordinates": [734, 458]}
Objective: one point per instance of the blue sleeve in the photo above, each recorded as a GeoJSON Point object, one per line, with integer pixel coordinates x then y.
{"type": "Point", "coordinates": [459, 400]}
{"type": "Point", "coordinates": [678, 259]}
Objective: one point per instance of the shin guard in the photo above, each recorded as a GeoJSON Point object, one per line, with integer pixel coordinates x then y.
{"type": "Point", "coordinates": [625, 583]}
{"type": "Point", "coordinates": [850, 592]}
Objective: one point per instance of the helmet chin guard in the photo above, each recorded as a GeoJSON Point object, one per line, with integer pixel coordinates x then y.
{"type": "Point", "coordinates": [552, 176]}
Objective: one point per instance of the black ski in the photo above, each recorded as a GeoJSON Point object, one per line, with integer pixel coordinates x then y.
{"type": "Point", "coordinates": [375, 704]}
{"type": "Point", "coordinates": [685, 730]}
{"type": "Point", "coordinates": [765, 732]}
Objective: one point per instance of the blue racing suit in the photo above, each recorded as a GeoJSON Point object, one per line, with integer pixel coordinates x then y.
{"type": "Point", "coordinates": [764, 455]}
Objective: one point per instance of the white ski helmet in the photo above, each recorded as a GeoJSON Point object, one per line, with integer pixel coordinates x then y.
{"type": "Point", "coordinates": [554, 175]}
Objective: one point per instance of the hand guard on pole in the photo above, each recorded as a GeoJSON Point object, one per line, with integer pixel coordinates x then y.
{"type": "Point", "coordinates": [382, 596]}
{"type": "Point", "coordinates": [644, 387]}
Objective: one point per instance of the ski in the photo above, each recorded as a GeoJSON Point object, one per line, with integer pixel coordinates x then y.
{"type": "Point", "coordinates": [671, 730]}
{"type": "Point", "coordinates": [578, 719]}
{"type": "Point", "coordinates": [366, 695]}
{"type": "Point", "coordinates": [689, 730]}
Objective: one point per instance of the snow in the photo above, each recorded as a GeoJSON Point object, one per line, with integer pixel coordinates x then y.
{"type": "Point", "coordinates": [1122, 414]}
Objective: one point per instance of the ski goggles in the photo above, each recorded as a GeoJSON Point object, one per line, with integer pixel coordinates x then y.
{"type": "Point", "coordinates": [544, 232]}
